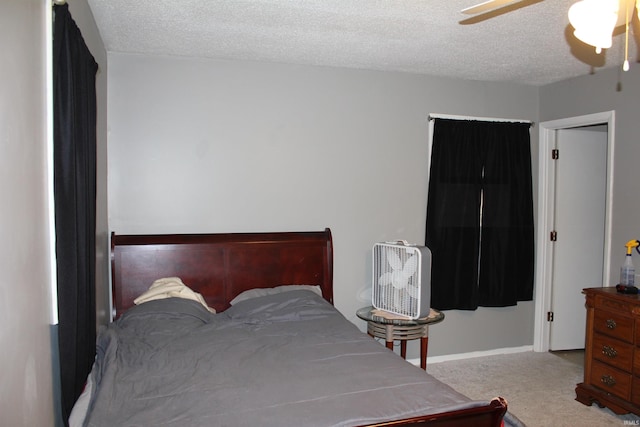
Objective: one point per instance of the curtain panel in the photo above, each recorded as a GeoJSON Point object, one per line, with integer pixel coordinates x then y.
{"type": "Point", "coordinates": [74, 127]}
{"type": "Point", "coordinates": [480, 214]}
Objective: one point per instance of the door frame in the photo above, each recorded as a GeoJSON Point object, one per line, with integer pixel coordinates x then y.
{"type": "Point", "coordinates": [546, 183]}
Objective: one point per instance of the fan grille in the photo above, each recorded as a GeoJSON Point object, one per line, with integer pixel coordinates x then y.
{"type": "Point", "coordinates": [397, 277]}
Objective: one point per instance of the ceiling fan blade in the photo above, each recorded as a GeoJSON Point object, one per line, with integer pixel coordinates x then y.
{"type": "Point", "coordinates": [486, 6]}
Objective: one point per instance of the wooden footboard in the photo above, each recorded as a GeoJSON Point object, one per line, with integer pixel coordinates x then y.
{"type": "Point", "coordinates": [489, 415]}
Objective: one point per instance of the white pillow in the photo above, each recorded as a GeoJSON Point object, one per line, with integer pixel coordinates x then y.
{"type": "Point", "coordinates": [261, 292]}
{"type": "Point", "coordinates": [171, 287]}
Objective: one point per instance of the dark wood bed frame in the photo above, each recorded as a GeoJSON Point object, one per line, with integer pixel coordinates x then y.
{"type": "Point", "coordinates": [221, 266]}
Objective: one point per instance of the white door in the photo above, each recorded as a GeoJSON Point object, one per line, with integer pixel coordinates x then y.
{"type": "Point", "coordinates": [579, 220]}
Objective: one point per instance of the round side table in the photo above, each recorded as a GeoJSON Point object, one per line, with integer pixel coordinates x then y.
{"type": "Point", "coordinates": [394, 328]}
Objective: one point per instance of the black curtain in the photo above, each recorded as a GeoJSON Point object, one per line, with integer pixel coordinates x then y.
{"type": "Point", "coordinates": [480, 214]}
{"type": "Point", "coordinates": [74, 126]}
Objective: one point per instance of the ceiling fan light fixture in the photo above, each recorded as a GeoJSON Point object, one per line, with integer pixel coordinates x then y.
{"type": "Point", "coordinates": [594, 21]}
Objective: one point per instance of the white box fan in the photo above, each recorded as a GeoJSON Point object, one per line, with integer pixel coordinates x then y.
{"type": "Point", "coordinates": [402, 279]}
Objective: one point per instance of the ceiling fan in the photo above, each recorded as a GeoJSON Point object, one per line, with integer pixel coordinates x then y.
{"type": "Point", "coordinates": [486, 6]}
{"type": "Point", "coordinates": [623, 7]}
{"type": "Point", "coordinates": [593, 20]}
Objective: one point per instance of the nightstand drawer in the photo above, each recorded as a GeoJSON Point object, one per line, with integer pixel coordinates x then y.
{"type": "Point", "coordinates": [614, 325]}
{"type": "Point", "coordinates": [614, 352]}
{"type": "Point", "coordinates": [611, 380]}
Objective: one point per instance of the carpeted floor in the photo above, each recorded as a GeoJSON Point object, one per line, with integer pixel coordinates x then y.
{"type": "Point", "coordinates": [539, 387]}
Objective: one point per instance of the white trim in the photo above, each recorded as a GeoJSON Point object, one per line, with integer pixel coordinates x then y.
{"type": "Point", "coordinates": [429, 151]}
{"type": "Point", "coordinates": [472, 355]}
{"type": "Point", "coordinates": [481, 119]}
{"type": "Point", "coordinates": [545, 216]}
{"type": "Point", "coordinates": [53, 293]}
{"type": "Point", "coordinates": [542, 297]}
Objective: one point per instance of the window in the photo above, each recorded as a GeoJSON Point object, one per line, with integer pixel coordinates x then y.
{"type": "Point", "coordinates": [480, 214]}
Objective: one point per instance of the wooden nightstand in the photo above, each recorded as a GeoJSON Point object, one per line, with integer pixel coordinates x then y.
{"type": "Point", "coordinates": [392, 328]}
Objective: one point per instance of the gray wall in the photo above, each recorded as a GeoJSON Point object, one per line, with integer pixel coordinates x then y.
{"type": "Point", "coordinates": [605, 91]}
{"type": "Point", "coordinates": [222, 146]}
{"type": "Point", "coordinates": [25, 309]}
{"type": "Point", "coordinates": [26, 379]}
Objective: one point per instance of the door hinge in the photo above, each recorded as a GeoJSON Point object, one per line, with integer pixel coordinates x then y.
{"type": "Point", "coordinates": [555, 154]}
{"type": "Point", "coordinates": [549, 316]}
{"type": "Point", "coordinates": [553, 236]}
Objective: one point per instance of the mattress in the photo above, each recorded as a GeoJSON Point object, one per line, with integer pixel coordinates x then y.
{"type": "Point", "coordinates": [285, 359]}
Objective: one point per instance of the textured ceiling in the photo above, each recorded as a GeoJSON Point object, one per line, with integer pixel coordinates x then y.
{"type": "Point", "coordinates": [528, 42]}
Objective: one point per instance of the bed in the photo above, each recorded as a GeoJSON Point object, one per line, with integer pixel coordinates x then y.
{"type": "Point", "coordinates": [275, 352]}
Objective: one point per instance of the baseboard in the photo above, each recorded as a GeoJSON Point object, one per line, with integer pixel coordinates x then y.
{"type": "Point", "coordinates": [473, 354]}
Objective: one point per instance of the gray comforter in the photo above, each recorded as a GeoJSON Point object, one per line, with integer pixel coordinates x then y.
{"type": "Point", "coordinates": [279, 360]}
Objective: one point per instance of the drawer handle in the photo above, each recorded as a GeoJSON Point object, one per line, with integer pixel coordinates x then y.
{"type": "Point", "coordinates": [608, 380]}
{"type": "Point", "coordinates": [611, 324]}
{"type": "Point", "coordinates": [609, 351]}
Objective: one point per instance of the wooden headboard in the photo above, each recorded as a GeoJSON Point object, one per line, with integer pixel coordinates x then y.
{"type": "Point", "coordinates": [220, 266]}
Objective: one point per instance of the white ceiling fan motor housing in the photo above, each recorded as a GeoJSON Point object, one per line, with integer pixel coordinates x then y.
{"type": "Point", "coordinates": [402, 279]}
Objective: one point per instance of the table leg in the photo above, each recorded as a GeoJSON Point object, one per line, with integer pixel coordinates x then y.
{"type": "Point", "coordinates": [403, 349]}
{"type": "Point", "coordinates": [424, 346]}
{"type": "Point", "coordinates": [389, 336]}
